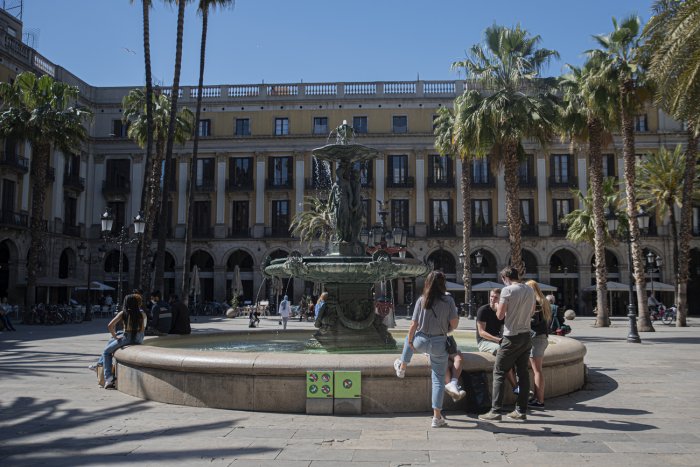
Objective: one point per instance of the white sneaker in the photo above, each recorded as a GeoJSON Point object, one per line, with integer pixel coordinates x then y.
{"type": "Point", "coordinates": [92, 367]}
{"type": "Point", "coordinates": [455, 392]}
{"type": "Point", "coordinates": [400, 372]}
{"type": "Point", "coordinates": [438, 422]}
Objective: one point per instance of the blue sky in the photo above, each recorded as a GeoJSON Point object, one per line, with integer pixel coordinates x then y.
{"type": "Point", "coordinates": [281, 41]}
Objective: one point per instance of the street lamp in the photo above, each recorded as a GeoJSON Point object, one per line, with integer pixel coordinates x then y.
{"type": "Point", "coordinates": [121, 238]}
{"type": "Point", "coordinates": [643, 221]}
{"type": "Point", "coordinates": [653, 260]}
{"type": "Point", "coordinates": [89, 260]}
{"type": "Point", "coordinates": [381, 238]}
{"type": "Point", "coordinates": [470, 302]}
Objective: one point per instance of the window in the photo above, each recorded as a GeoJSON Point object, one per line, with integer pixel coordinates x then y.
{"type": "Point", "coordinates": [562, 207]}
{"type": "Point", "coordinates": [70, 214]}
{"type": "Point", "coordinates": [696, 219]}
{"type": "Point", "coordinates": [440, 215]}
{"type": "Point", "coordinates": [527, 214]}
{"type": "Point", "coordinates": [205, 127]}
{"type": "Point", "coordinates": [320, 125]}
{"type": "Point", "coordinates": [560, 168]}
{"type": "Point", "coordinates": [118, 173]}
{"type": "Point", "coordinates": [526, 170]}
{"type": "Point", "coordinates": [359, 124]}
{"type": "Point", "coordinates": [119, 128]}
{"type": "Point", "coordinates": [205, 173]}
{"type": "Point", "coordinates": [400, 124]}
{"type": "Point", "coordinates": [608, 165]}
{"type": "Point", "coordinates": [480, 171]}
{"type": "Point", "coordinates": [240, 216]}
{"type": "Point", "coordinates": [280, 217]}
{"type": "Point", "coordinates": [640, 123]}
{"type": "Point", "coordinates": [399, 213]}
{"type": "Point", "coordinates": [365, 170]}
{"type": "Point", "coordinates": [242, 127]}
{"type": "Point", "coordinates": [71, 167]}
{"type": "Point", "coordinates": [481, 216]}
{"type": "Point", "coordinates": [440, 168]}
{"type": "Point", "coordinates": [398, 170]}
{"type": "Point", "coordinates": [280, 172]}
{"type": "Point", "coordinates": [366, 212]}
{"type": "Point", "coordinates": [202, 219]}
{"type": "Point", "coordinates": [281, 126]}
{"type": "Point", "coordinates": [240, 172]}
{"type": "Point", "coordinates": [9, 188]}
{"type": "Point", "coordinates": [118, 214]}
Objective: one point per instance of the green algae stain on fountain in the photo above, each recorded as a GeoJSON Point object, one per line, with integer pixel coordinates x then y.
{"type": "Point", "coordinates": [348, 320]}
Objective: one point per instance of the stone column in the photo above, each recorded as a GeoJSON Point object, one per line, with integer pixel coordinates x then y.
{"type": "Point", "coordinates": [83, 196]}
{"type": "Point", "coordinates": [259, 227]}
{"type": "Point", "coordinates": [421, 228]}
{"type": "Point", "coordinates": [298, 183]}
{"type": "Point", "coordinates": [582, 174]}
{"type": "Point", "coordinates": [137, 174]}
{"type": "Point", "coordinates": [220, 225]}
{"type": "Point", "coordinates": [99, 172]}
{"type": "Point", "coordinates": [501, 224]}
{"type": "Point", "coordinates": [24, 201]}
{"type": "Point", "coordinates": [219, 283]}
{"type": "Point", "coordinates": [379, 178]}
{"type": "Point", "coordinates": [544, 228]}
{"type": "Point", "coordinates": [57, 162]}
{"type": "Point", "coordinates": [183, 174]}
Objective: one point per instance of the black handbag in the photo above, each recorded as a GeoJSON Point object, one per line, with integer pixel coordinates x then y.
{"type": "Point", "coordinates": [451, 345]}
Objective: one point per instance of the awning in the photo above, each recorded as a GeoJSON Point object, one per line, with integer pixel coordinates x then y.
{"type": "Point", "coordinates": [454, 287]}
{"type": "Point", "coordinates": [660, 287]}
{"type": "Point", "coordinates": [56, 282]}
{"type": "Point", "coordinates": [95, 285]}
{"type": "Point", "coordinates": [486, 286]}
{"type": "Point", "coordinates": [546, 287]}
{"type": "Point", "coordinates": [612, 286]}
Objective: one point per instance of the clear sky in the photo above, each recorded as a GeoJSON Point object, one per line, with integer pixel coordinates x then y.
{"type": "Point", "coordinates": [282, 41]}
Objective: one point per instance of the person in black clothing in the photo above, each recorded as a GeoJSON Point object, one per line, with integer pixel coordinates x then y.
{"type": "Point", "coordinates": [160, 314]}
{"type": "Point", "coordinates": [489, 329]}
{"type": "Point", "coordinates": [180, 322]}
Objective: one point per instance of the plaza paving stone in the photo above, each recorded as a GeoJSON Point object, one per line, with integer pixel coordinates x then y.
{"type": "Point", "coordinates": [639, 407]}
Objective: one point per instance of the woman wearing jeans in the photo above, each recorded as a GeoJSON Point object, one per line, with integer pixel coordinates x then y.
{"type": "Point", "coordinates": [434, 316]}
{"type": "Point", "coordinates": [134, 326]}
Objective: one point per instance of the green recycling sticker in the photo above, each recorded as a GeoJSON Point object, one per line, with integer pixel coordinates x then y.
{"type": "Point", "coordinates": [319, 384]}
{"type": "Point", "coordinates": [348, 385]}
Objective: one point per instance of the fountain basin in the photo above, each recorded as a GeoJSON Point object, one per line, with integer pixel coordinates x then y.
{"type": "Point", "coordinates": [276, 382]}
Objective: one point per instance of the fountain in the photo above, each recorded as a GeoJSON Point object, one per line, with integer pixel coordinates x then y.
{"type": "Point", "coordinates": [348, 320]}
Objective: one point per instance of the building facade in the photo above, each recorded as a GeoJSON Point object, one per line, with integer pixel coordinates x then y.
{"type": "Point", "coordinates": [255, 169]}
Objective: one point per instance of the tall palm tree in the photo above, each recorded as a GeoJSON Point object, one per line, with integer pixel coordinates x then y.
{"type": "Point", "coordinates": [204, 7]}
{"type": "Point", "coordinates": [447, 142]}
{"type": "Point", "coordinates": [146, 6]}
{"type": "Point", "coordinates": [586, 117]}
{"type": "Point", "coordinates": [134, 105]}
{"type": "Point", "coordinates": [581, 224]}
{"type": "Point", "coordinates": [673, 43]}
{"type": "Point", "coordinates": [516, 104]}
{"type": "Point", "coordinates": [174, 94]}
{"type": "Point", "coordinates": [660, 186]}
{"type": "Point", "coordinates": [316, 221]}
{"type": "Point", "coordinates": [622, 64]}
{"type": "Point", "coordinates": [45, 113]}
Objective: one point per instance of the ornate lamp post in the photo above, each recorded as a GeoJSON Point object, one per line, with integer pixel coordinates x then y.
{"type": "Point", "coordinates": [653, 260]}
{"type": "Point", "coordinates": [642, 219]}
{"type": "Point", "coordinates": [121, 238]}
{"type": "Point", "coordinates": [381, 238]}
{"type": "Point", "coordinates": [478, 257]}
{"type": "Point", "coordinates": [89, 260]}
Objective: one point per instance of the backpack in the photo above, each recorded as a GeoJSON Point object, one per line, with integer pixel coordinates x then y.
{"type": "Point", "coordinates": [478, 395]}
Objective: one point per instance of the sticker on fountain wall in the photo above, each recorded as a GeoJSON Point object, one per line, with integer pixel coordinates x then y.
{"type": "Point", "coordinates": [319, 384]}
{"type": "Point", "coordinates": [348, 384]}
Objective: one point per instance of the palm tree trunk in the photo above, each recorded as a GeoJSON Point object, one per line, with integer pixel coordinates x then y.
{"type": "Point", "coordinates": [143, 248]}
{"type": "Point", "coordinates": [674, 237]}
{"type": "Point", "coordinates": [511, 165]}
{"type": "Point", "coordinates": [175, 90]}
{"type": "Point", "coordinates": [643, 320]}
{"type": "Point", "coordinates": [691, 154]}
{"type": "Point", "coordinates": [153, 208]}
{"type": "Point", "coordinates": [193, 163]}
{"type": "Point", "coordinates": [596, 181]}
{"type": "Point", "coordinates": [41, 153]}
{"type": "Point", "coordinates": [466, 180]}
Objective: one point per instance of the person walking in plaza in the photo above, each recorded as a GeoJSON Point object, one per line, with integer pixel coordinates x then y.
{"type": "Point", "coordinates": [434, 316]}
{"type": "Point", "coordinates": [515, 307]}
{"type": "Point", "coordinates": [284, 310]}
{"type": "Point", "coordinates": [539, 324]}
{"type": "Point", "coordinates": [5, 310]}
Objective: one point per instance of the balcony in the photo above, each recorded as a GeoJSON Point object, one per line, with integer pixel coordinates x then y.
{"type": "Point", "coordinates": [529, 230]}
{"type": "Point", "coordinates": [280, 183]}
{"type": "Point", "coordinates": [14, 162]}
{"type": "Point", "coordinates": [400, 182]}
{"type": "Point", "coordinates": [116, 186]}
{"type": "Point", "coordinates": [482, 231]}
{"type": "Point", "coordinates": [14, 219]}
{"type": "Point", "coordinates": [445, 182]}
{"type": "Point", "coordinates": [557, 181]}
{"type": "Point", "coordinates": [559, 230]}
{"type": "Point", "coordinates": [525, 181]}
{"type": "Point", "coordinates": [447, 230]}
{"type": "Point", "coordinates": [239, 232]}
{"type": "Point", "coordinates": [74, 182]}
{"type": "Point", "coordinates": [483, 182]}
{"type": "Point", "coordinates": [203, 231]}
{"type": "Point", "coordinates": [278, 232]}
{"type": "Point", "coordinates": [239, 184]}
{"type": "Point", "coordinates": [71, 230]}
{"type": "Point", "coordinates": [205, 186]}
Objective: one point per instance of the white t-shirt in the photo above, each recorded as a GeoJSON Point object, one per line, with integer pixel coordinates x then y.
{"type": "Point", "coordinates": [521, 300]}
{"type": "Point", "coordinates": [284, 309]}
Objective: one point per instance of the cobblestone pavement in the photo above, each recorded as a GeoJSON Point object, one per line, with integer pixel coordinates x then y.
{"type": "Point", "coordinates": [637, 409]}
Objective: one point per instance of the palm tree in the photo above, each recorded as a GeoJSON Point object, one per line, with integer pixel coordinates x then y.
{"type": "Point", "coordinates": [621, 63]}
{"type": "Point", "coordinates": [516, 104]}
{"type": "Point", "coordinates": [673, 43]}
{"type": "Point", "coordinates": [316, 222]}
{"type": "Point", "coordinates": [174, 93]}
{"type": "Point", "coordinates": [447, 143]}
{"type": "Point", "coordinates": [204, 6]}
{"type": "Point", "coordinates": [660, 186]}
{"type": "Point", "coordinates": [586, 117]}
{"type": "Point", "coordinates": [134, 105]}
{"type": "Point", "coordinates": [45, 113]}
{"type": "Point", "coordinates": [146, 6]}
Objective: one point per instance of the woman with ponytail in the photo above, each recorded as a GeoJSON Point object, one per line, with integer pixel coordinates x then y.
{"type": "Point", "coordinates": [539, 327]}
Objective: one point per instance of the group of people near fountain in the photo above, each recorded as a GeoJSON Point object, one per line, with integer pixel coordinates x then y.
{"type": "Point", "coordinates": [513, 326]}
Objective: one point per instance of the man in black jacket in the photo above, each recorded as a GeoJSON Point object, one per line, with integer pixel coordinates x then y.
{"type": "Point", "coordinates": [180, 316]}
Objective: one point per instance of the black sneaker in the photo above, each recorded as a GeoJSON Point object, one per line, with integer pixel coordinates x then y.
{"type": "Point", "coordinates": [535, 403]}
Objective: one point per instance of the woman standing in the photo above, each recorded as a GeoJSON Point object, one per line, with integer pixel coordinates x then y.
{"type": "Point", "coordinates": [434, 316]}
{"type": "Point", "coordinates": [539, 324]}
{"type": "Point", "coordinates": [134, 320]}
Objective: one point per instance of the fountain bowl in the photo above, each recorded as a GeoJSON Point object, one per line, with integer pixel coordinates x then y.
{"type": "Point", "coordinates": [276, 382]}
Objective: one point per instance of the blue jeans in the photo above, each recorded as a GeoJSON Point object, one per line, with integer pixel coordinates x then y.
{"type": "Point", "coordinates": [435, 347]}
{"type": "Point", "coordinates": [112, 346]}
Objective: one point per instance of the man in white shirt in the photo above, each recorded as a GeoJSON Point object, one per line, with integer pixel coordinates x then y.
{"type": "Point", "coordinates": [284, 310]}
